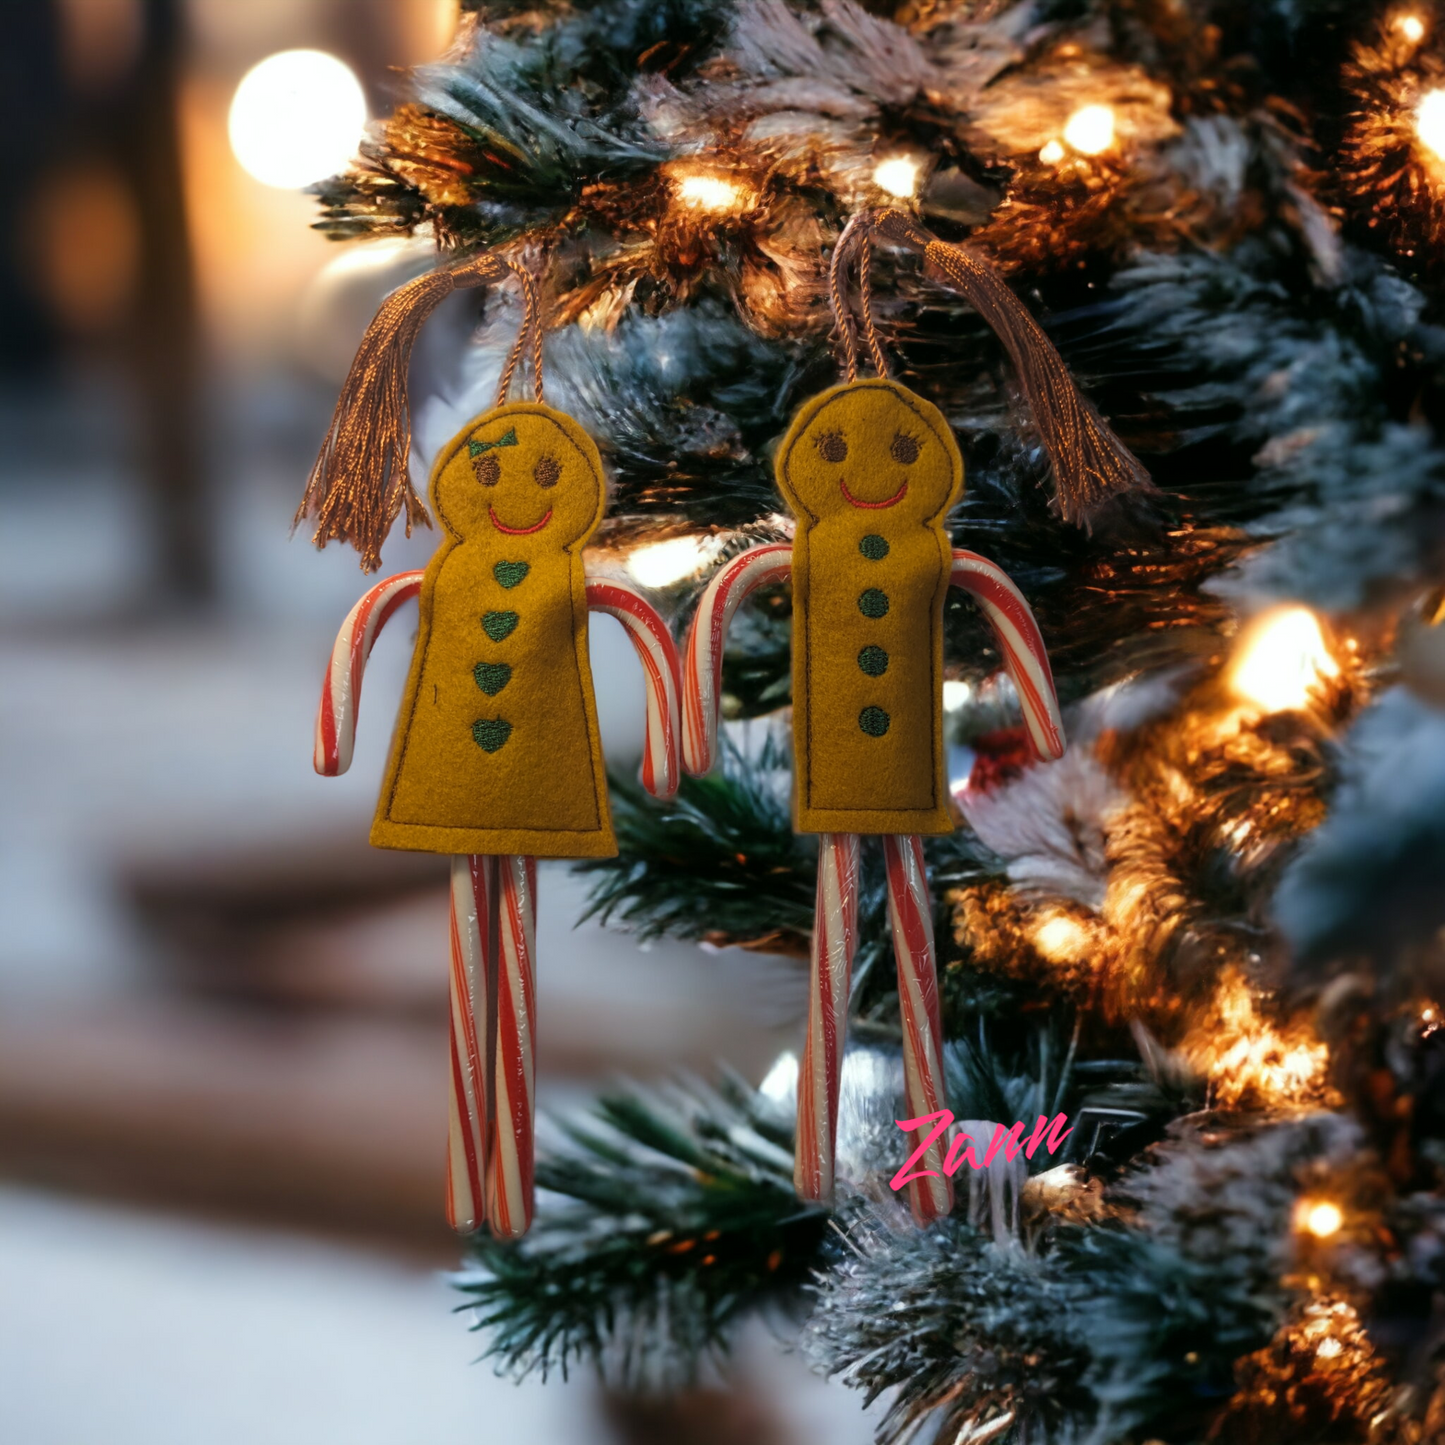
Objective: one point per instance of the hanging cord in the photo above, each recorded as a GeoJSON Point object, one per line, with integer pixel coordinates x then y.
{"type": "Point", "coordinates": [360, 482]}
{"type": "Point", "coordinates": [531, 329]}
{"type": "Point", "coordinates": [855, 238]}
{"type": "Point", "coordinates": [1091, 465]}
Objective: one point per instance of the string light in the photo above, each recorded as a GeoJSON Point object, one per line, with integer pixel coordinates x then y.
{"type": "Point", "coordinates": [1281, 660]}
{"type": "Point", "coordinates": [660, 564]}
{"type": "Point", "coordinates": [956, 694]}
{"type": "Point", "coordinates": [1090, 130]}
{"type": "Point", "coordinates": [1318, 1217]}
{"type": "Point", "coordinates": [897, 175]}
{"type": "Point", "coordinates": [296, 118]}
{"type": "Point", "coordinates": [1412, 27]}
{"type": "Point", "coordinates": [1052, 153]}
{"type": "Point", "coordinates": [1061, 939]}
{"type": "Point", "coordinates": [703, 191]}
{"type": "Point", "coordinates": [1430, 122]}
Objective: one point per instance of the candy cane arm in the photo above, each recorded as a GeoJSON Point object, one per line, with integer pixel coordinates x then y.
{"type": "Point", "coordinates": [1021, 643]}
{"type": "Point", "coordinates": [658, 655]}
{"type": "Point", "coordinates": [341, 692]}
{"type": "Point", "coordinates": [702, 658]}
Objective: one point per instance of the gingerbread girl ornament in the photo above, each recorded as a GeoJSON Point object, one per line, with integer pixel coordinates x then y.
{"type": "Point", "coordinates": [870, 471]}
{"type": "Point", "coordinates": [496, 758]}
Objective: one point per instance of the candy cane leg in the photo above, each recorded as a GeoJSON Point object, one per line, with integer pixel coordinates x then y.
{"type": "Point", "coordinates": [910, 912]}
{"type": "Point", "coordinates": [474, 893]}
{"type": "Point", "coordinates": [509, 1165]}
{"type": "Point", "coordinates": [835, 935]}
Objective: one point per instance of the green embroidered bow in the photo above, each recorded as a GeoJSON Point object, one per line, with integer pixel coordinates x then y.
{"type": "Point", "coordinates": [475, 449]}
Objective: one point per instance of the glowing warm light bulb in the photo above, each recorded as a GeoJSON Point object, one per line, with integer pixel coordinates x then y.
{"type": "Point", "coordinates": [660, 564]}
{"type": "Point", "coordinates": [1052, 153]}
{"type": "Point", "coordinates": [956, 695]}
{"type": "Point", "coordinates": [1090, 130]}
{"type": "Point", "coordinates": [1318, 1217]}
{"type": "Point", "coordinates": [1061, 939]}
{"type": "Point", "coordinates": [1412, 27]}
{"type": "Point", "coordinates": [296, 118]}
{"type": "Point", "coordinates": [898, 175]}
{"type": "Point", "coordinates": [710, 193]}
{"type": "Point", "coordinates": [1282, 657]}
{"type": "Point", "coordinates": [1430, 121]}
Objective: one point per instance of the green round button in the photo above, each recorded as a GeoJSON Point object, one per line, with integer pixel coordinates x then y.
{"type": "Point", "coordinates": [873, 661]}
{"type": "Point", "coordinates": [874, 547]}
{"type": "Point", "coordinates": [873, 603]}
{"type": "Point", "coordinates": [874, 721]}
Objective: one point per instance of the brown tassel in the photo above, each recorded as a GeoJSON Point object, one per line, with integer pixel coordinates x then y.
{"type": "Point", "coordinates": [360, 481]}
{"type": "Point", "coordinates": [1091, 464]}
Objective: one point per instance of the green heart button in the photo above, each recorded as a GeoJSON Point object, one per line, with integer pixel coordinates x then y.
{"type": "Point", "coordinates": [498, 625]}
{"type": "Point", "coordinates": [492, 677]}
{"type": "Point", "coordinates": [510, 573]}
{"type": "Point", "coordinates": [489, 733]}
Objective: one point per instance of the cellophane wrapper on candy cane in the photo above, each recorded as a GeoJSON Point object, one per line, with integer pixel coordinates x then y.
{"type": "Point", "coordinates": [510, 1163]}
{"type": "Point", "coordinates": [910, 912]}
{"type": "Point", "coordinates": [835, 937]}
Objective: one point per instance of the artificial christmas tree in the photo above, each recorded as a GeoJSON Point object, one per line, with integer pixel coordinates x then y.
{"type": "Point", "coordinates": [1209, 933]}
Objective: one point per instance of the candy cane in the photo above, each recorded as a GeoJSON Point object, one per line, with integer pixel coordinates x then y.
{"type": "Point", "coordinates": [509, 1165]}
{"type": "Point", "coordinates": [702, 676]}
{"type": "Point", "coordinates": [910, 912]}
{"type": "Point", "coordinates": [473, 899]}
{"type": "Point", "coordinates": [835, 936]}
{"type": "Point", "coordinates": [658, 654]}
{"type": "Point", "coordinates": [341, 692]}
{"type": "Point", "coordinates": [1023, 647]}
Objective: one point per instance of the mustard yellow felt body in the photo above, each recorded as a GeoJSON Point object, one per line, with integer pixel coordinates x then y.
{"type": "Point", "coordinates": [870, 471]}
{"type": "Point", "coordinates": [497, 748]}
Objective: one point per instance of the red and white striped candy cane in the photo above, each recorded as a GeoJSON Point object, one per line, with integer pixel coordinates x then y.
{"type": "Point", "coordinates": [1022, 644]}
{"type": "Point", "coordinates": [341, 692]}
{"type": "Point", "coordinates": [658, 654]}
{"type": "Point", "coordinates": [473, 939]}
{"type": "Point", "coordinates": [910, 912]}
{"type": "Point", "coordinates": [702, 663]}
{"type": "Point", "coordinates": [835, 937]}
{"type": "Point", "coordinates": [509, 1165]}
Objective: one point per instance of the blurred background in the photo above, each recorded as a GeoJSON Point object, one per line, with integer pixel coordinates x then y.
{"type": "Point", "coordinates": [222, 1016]}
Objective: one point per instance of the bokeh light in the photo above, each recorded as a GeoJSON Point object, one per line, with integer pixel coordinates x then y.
{"type": "Point", "coordinates": [1282, 658]}
{"type": "Point", "coordinates": [898, 176]}
{"type": "Point", "coordinates": [296, 118]}
{"type": "Point", "coordinates": [1090, 130]}
{"type": "Point", "coordinates": [1430, 122]}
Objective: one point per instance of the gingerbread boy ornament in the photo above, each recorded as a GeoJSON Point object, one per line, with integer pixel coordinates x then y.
{"type": "Point", "coordinates": [870, 471]}
{"type": "Point", "coordinates": [496, 758]}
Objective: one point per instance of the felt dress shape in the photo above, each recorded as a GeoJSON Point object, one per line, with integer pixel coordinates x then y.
{"type": "Point", "coordinates": [496, 747]}
{"type": "Point", "coordinates": [496, 758]}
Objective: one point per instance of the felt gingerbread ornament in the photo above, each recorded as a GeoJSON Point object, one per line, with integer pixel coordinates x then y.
{"type": "Point", "coordinates": [496, 758]}
{"type": "Point", "coordinates": [869, 471]}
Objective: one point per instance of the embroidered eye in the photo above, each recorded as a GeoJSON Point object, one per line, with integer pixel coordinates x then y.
{"type": "Point", "coordinates": [547, 471]}
{"type": "Point", "coordinates": [833, 447]}
{"type": "Point", "coordinates": [488, 469]}
{"type": "Point", "coordinates": [904, 449]}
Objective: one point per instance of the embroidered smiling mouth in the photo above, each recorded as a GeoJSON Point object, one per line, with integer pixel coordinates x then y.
{"type": "Point", "coordinates": [501, 526]}
{"type": "Point", "coordinates": [892, 501]}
